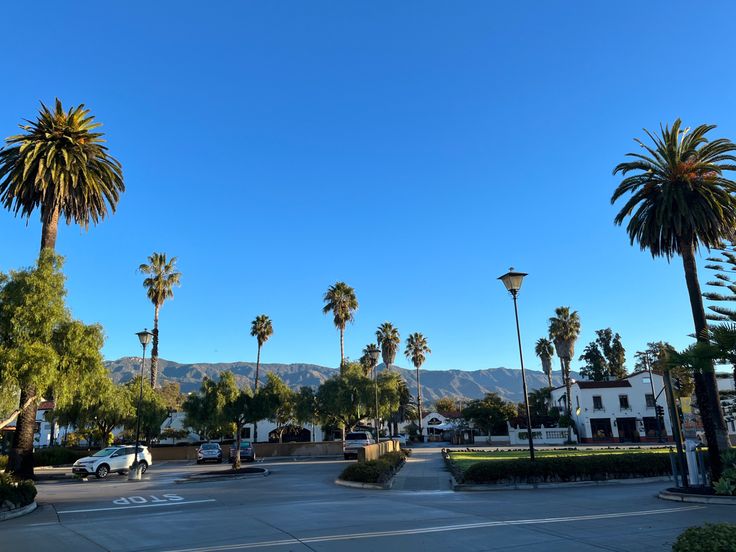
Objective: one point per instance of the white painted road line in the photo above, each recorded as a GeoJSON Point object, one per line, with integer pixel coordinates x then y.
{"type": "Point", "coordinates": [439, 529]}
{"type": "Point", "coordinates": [137, 506]}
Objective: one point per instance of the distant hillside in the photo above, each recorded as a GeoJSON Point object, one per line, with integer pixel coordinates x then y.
{"type": "Point", "coordinates": [435, 383]}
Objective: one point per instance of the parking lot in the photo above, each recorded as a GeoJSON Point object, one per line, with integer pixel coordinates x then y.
{"type": "Point", "coordinates": [298, 507]}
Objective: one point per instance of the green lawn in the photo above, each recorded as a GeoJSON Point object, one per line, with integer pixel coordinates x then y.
{"type": "Point", "coordinates": [466, 459]}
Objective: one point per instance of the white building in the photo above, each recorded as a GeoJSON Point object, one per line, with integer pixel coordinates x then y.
{"type": "Point", "coordinates": [618, 411]}
{"type": "Point", "coordinates": [728, 402]}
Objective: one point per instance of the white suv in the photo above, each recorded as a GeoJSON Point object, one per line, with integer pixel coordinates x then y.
{"type": "Point", "coordinates": [355, 440]}
{"type": "Point", "coordinates": [112, 459]}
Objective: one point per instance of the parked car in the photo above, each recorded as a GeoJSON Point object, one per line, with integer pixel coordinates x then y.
{"type": "Point", "coordinates": [117, 459]}
{"type": "Point", "coordinates": [354, 441]}
{"type": "Point", "coordinates": [401, 438]}
{"type": "Point", "coordinates": [247, 453]}
{"type": "Point", "coordinates": [209, 452]}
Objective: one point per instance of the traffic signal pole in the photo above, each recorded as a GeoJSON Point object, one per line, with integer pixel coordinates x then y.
{"type": "Point", "coordinates": [675, 417]}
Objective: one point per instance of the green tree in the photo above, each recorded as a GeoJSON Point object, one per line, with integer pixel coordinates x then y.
{"type": "Point", "coordinates": [58, 165]}
{"type": "Point", "coordinates": [490, 414]}
{"type": "Point", "coordinates": [205, 410]}
{"type": "Point", "coordinates": [366, 361]}
{"type": "Point", "coordinates": [539, 401]}
{"type": "Point", "coordinates": [388, 339]}
{"type": "Point", "coordinates": [262, 329]}
{"type": "Point", "coordinates": [306, 407]}
{"type": "Point", "coordinates": [658, 356]}
{"type": "Point", "coordinates": [416, 351]}
{"type": "Point", "coordinates": [341, 301]}
{"type": "Point", "coordinates": [605, 357]}
{"type": "Point", "coordinates": [448, 406]}
{"type": "Point", "coordinates": [172, 396]}
{"type": "Point", "coordinates": [239, 408]}
{"type": "Point", "coordinates": [161, 279]}
{"type": "Point", "coordinates": [406, 410]}
{"type": "Point", "coordinates": [153, 411]}
{"type": "Point", "coordinates": [345, 398]}
{"type": "Point", "coordinates": [725, 291]}
{"type": "Point", "coordinates": [564, 329]}
{"type": "Point", "coordinates": [280, 401]}
{"type": "Point", "coordinates": [544, 350]}
{"type": "Point", "coordinates": [681, 200]}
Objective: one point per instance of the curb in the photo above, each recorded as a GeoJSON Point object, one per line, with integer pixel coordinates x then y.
{"type": "Point", "coordinates": [572, 484]}
{"type": "Point", "coordinates": [27, 509]}
{"type": "Point", "coordinates": [204, 478]}
{"type": "Point", "coordinates": [682, 497]}
{"type": "Point", "coordinates": [372, 486]}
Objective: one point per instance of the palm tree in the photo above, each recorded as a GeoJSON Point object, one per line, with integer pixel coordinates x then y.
{"type": "Point", "coordinates": [261, 328]}
{"type": "Point", "coordinates": [58, 165]}
{"type": "Point", "coordinates": [680, 201]}
{"type": "Point", "coordinates": [162, 277]}
{"type": "Point", "coordinates": [564, 329]}
{"type": "Point", "coordinates": [366, 361]}
{"type": "Point", "coordinates": [340, 299]}
{"type": "Point", "coordinates": [417, 350]}
{"type": "Point", "coordinates": [544, 350]}
{"type": "Point", "coordinates": [388, 339]}
{"type": "Point", "coordinates": [723, 348]}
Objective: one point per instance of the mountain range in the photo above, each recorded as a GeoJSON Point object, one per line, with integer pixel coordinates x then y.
{"type": "Point", "coordinates": [435, 383]}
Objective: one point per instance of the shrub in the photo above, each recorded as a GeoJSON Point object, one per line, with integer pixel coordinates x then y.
{"type": "Point", "coordinates": [726, 485]}
{"type": "Point", "coordinates": [3, 462]}
{"type": "Point", "coordinates": [56, 456]}
{"type": "Point", "coordinates": [569, 468]}
{"type": "Point", "coordinates": [719, 537]}
{"type": "Point", "coordinates": [15, 494]}
{"type": "Point", "coordinates": [375, 471]}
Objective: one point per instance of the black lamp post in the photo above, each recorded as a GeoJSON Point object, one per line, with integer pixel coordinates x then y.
{"type": "Point", "coordinates": [145, 338]}
{"type": "Point", "coordinates": [512, 280]}
{"type": "Point", "coordinates": [374, 353]}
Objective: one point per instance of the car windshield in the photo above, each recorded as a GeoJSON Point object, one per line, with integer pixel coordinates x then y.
{"type": "Point", "coordinates": [356, 437]}
{"type": "Point", "coordinates": [210, 447]}
{"type": "Point", "coordinates": [106, 451]}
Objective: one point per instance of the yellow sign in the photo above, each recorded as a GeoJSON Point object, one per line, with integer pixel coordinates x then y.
{"type": "Point", "coordinates": [685, 405]}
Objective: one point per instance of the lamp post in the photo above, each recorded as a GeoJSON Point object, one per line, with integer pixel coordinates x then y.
{"type": "Point", "coordinates": [512, 280]}
{"type": "Point", "coordinates": [145, 338]}
{"type": "Point", "coordinates": [374, 353]}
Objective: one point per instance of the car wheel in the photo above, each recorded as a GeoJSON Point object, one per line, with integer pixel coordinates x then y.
{"type": "Point", "coordinates": [102, 471]}
{"type": "Point", "coordinates": [144, 466]}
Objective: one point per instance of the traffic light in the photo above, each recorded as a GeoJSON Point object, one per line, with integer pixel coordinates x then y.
{"type": "Point", "coordinates": [660, 411]}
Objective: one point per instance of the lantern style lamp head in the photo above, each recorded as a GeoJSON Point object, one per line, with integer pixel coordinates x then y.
{"type": "Point", "coordinates": [512, 280]}
{"type": "Point", "coordinates": [374, 353]}
{"type": "Point", "coordinates": [144, 337]}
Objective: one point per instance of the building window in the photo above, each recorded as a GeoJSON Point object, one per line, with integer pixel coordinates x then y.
{"type": "Point", "coordinates": [623, 402]}
{"type": "Point", "coordinates": [650, 401]}
{"type": "Point", "coordinates": [597, 402]}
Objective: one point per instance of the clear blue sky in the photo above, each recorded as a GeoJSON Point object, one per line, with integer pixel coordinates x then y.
{"type": "Point", "coordinates": [415, 150]}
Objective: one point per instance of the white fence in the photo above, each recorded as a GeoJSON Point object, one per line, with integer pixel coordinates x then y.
{"type": "Point", "coordinates": [541, 436]}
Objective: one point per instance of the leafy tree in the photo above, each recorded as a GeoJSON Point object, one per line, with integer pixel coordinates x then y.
{"type": "Point", "coordinates": [345, 398]}
{"type": "Point", "coordinates": [388, 339]}
{"type": "Point", "coordinates": [239, 408]}
{"type": "Point", "coordinates": [564, 329]}
{"type": "Point", "coordinates": [58, 165]}
{"type": "Point", "coordinates": [544, 350]}
{"type": "Point", "coordinates": [604, 357]}
{"type": "Point", "coordinates": [262, 329]}
{"type": "Point", "coordinates": [406, 410]}
{"type": "Point", "coordinates": [280, 401]}
{"type": "Point", "coordinates": [306, 406]}
{"type": "Point", "coordinates": [162, 277]}
{"type": "Point", "coordinates": [681, 200]}
{"type": "Point", "coordinates": [658, 356]}
{"type": "Point", "coordinates": [205, 410]}
{"type": "Point", "coordinates": [366, 361]}
{"type": "Point", "coordinates": [539, 401]}
{"type": "Point", "coordinates": [390, 395]}
{"type": "Point", "coordinates": [490, 414]}
{"type": "Point", "coordinates": [341, 301]}
{"type": "Point", "coordinates": [447, 406]}
{"type": "Point", "coordinates": [172, 396]}
{"type": "Point", "coordinates": [153, 411]}
{"type": "Point", "coordinates": [416, 350]}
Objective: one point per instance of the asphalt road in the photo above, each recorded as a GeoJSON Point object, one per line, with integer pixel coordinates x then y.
{"type": "Point", "coordinates": [298, 507]}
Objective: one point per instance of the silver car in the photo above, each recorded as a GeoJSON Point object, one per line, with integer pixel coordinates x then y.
{"type": "Point", "coordinates": [112, 459]}
{"type": "Point", "coordinates": [209, 452]}
{"type": "Point", "coordinates": [355, 440]}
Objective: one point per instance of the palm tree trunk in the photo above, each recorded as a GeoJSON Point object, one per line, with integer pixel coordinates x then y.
{"type": "Point", "coordinates": [706, 387]}
{"type": "Point", "coordinates": [419, 401]}
{"type": "Point", "coordinates": [49, 229]}
{"type": "Point", "coordinates": [255, 391]}
{"type": "Point", "coordinates": [342, 347]}
{"type": "Point", "coordinates": [236, 458]}
{"type": "Point", "coordinates": [154, 350]}
{"type": "Point", "coordinates": [568, 396]}
{"type": "Point", "coordinates": [20, 459]}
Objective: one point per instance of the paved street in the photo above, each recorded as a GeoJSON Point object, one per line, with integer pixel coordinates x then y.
{"type": "Point", "coordinates": [298, 507]}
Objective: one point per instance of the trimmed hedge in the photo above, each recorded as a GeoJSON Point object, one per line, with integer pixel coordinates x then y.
{"type": "Point", "coordinates": [375, 471]}
{"type": "Point", "coordinates": [569, 468]}
{"type": "Point", "coordinates": [719, 537]}
{"type": "Point", "coordinates": [57, 456]}
{"type": "Point", "coordinates": [15, 494]}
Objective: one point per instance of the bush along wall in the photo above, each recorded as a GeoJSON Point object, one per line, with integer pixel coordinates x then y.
{"type": "Point", "coordinates": [568, 468]}
{"type": "Point", "coordinates": [375, 471]}
{"type": "Point", "coordinates": [58, 456]}
{"type": "Point", "coordinates": [15, 494]}
{"type": "Point", "coordinates": [719, 537]}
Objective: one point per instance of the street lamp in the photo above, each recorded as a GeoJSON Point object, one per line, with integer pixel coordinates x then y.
{"type": "Point", "coordinates": [145, 338]}
{"type": "Point", "coordinates": [374, 353]}
{"type": "Point", "coordinates": [512, 280]}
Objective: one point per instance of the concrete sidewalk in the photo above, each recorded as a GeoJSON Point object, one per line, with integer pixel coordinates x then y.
{"type": "Point", "coordinates": [424, 471]}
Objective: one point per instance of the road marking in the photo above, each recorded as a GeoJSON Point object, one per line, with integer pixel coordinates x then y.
{"type": "Point", "coordinates": [137, 506]}
{"type": "Point", "coordinates": [439, 529]}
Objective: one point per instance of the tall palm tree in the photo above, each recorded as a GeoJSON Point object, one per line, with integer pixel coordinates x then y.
{"type": "Point", "coordinates": [564, 329]}
{"type": "Point", "coordinates": [341, 301]}
{"type": "Point", "coordinates": [544, 350]}
{"type": "Point", "coordinates": [261, 328]}
{"type": "Point", "coordinates": [388, 339]}
{"type": "Point", "coordinates": [681, 200]}
{"type": "Point", "coordinates": [367, 360]}
{"type": "Point", "coordinates": [162, 277]}
{"type": "Point", "coordinates": [58, 165]}
{"type": "Point", "coordinates": [417, 350]}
